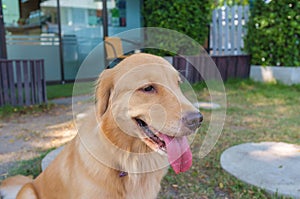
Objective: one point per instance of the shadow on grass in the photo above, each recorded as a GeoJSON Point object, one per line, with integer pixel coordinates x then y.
{"type": "Point", "coordinates": [30, 167]}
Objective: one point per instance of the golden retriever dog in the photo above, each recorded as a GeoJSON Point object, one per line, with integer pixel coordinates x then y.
{"type": "Point", "coordinates": [138, 127]}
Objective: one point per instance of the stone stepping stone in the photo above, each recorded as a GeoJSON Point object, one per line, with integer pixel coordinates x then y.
{"type": "Point", "coordinates": [272, 166]}
{"type": "Point", "coordinates": [207, 105]}
{"type": "Point", "coordinates": [50, 157]}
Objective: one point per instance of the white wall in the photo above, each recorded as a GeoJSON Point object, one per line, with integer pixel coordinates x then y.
{"type": "Point", "coordinates": [10, 11]}
{"type": "Point", "coordinates": [50, 54]}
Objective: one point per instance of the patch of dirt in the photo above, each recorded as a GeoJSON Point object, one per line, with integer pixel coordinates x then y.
{"type": "Point", "coordinates": [23, 137]}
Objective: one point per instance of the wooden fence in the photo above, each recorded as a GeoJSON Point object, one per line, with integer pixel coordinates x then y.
{"type": "Point", "coordinates": [200, 68]}
{"type": "Point", "coordinates": [227, 30]}
{"type": "Point", "coordinates": [22, 82]}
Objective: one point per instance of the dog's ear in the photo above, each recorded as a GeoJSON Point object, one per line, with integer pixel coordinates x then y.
{"type": "Point", "coordinates": [103, 90]}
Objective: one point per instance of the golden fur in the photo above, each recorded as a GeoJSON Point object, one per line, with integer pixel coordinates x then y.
{"type": "Point", "coordinates": [110, 141]}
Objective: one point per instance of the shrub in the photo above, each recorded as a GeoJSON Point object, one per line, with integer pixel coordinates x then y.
{"type": "Point", "coordinates": [188, 17]}
{"type": "Point", "coordinates": [274, 33]}
{"type": "Point", "coordinates": [220, 3]}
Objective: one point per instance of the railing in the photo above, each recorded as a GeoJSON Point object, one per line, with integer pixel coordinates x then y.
{"type": "Point", "coordinates": [47, 40]}
{"type": "Point", "coordinates": [227, 30]}
{"type": "Point", "coordinates": [22, 82]}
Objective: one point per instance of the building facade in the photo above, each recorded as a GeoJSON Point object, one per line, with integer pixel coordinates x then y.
{"type": "Point", "coordinates": [36, 30]}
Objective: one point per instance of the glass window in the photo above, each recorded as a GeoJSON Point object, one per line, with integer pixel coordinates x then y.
{"type": "Point", "coordinates": [32, 30]}
{"type": "Point", "coordinates": [117, 13]}
{"type": "Point", "coordinates": [78, 16]}
{"type": "Point", "coordinates": [11, 11]}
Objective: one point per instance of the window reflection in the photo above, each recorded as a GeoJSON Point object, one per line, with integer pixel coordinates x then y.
{"type": "Point", "coordinates": [32, 30]}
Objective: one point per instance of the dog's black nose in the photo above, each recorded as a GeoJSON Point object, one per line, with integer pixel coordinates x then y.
{"type": "Point", "coordinates": [192, 120]}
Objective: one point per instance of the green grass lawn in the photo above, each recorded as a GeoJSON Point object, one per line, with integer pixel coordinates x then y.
{"type": "Point", "coordinates": [255, 112]}
{"type": "Point", "coordinates": [59, 90]}
{"type": "Point", "coordinates": [66, 90]}
{"type": "Point", "coordinates": [53, 92]}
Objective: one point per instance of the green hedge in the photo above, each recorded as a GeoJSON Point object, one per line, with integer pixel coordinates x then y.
{"type": "Point", "coordinates": [188, 17]}
{"type": "Point", "coordinates": [274, 33]}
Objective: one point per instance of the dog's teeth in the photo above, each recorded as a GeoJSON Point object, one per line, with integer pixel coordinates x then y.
{"type": "Point", "coordinates": [161, 151]}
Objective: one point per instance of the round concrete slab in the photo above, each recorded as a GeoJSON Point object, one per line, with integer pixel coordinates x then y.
{"type": "Point", "coordinates": [273, 166]}
{"type": "Point", "coordinates": [50, 157]}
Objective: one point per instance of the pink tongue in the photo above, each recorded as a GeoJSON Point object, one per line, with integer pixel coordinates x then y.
{"type": "Point", "coordinates": [179, 153]}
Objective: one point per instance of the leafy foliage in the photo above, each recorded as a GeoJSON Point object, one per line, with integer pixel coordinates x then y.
{"type": "Point", "coordinates": [219, 3]}
{"type": "Point", "coordinates": [188, 17]}
{"type": "Point", "coordinates": [274, 33]}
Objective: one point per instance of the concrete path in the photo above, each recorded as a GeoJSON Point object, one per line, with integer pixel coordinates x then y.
{"type": "Point", "coordinates": [273, 166]}
{"type": "Point", "coordinates": [75, 99]}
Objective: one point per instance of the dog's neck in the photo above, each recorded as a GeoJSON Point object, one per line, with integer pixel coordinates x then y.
{"type": "Point", "coordinates": [123, 153]}
{"type": "Point", "coordinates": [135, 173]}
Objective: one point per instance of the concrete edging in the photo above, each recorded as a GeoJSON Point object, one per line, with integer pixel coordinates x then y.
{"type": "Point", "coordinates": [285, 75]}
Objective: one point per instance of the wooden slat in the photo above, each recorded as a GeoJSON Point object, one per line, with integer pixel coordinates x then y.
{"type": "Point", "coordinates": [223, 68]}
{"type": "Point", "coordinates": [189, 70]}
{"type": "Point", "coordinates": [39, 82]}
{"type": "Point", "coordinates": [180, 65]}
{"type": "Point", "coordinates": [26, 83]}
{"type": "Point", "coordinates": [206, 67]}
{"type": "Point", "coordinates": [239, 69]}
{"type": "Point", "coordinates": [44, 82]}
{"type": "Point", "coordinates": [216, 59]}
{"type": "Point", "coordinates": [235, 65]}
{"type": "Point", "coordinates": [11, 83]}
{"type": "Point", "coordinates": [248, 65]}
{"type": "Point", "coordinates": [201, 67]}
{"type": "Point", "coordinates": [243, 60]}
{"type": "Point", "coordinates": [214, 32]}
{"type": "Point", "coordinates": [244, 30]}
{"type": "Point", "coordinates": [5, 83]}
{"type": "Point", "coordinates": [239, 29]}
{"type": "Point", "coordinates": [16, 73]}
{"type": "Point", "coordinates": [197, 68]}
{"type": "Point", "coordinates": [232, 30]}
{"type": "Point", "coordinates": [19, 83]}
{"type": "Point", "coordinates": [246, 14]}
{"type": "Point", "coordinates": [209, 71]}
{"type": "Point", "coordinates": [231, 67]}
{"type": "Point", "coordinates": [185, 64]}
{"type": "Point", "coordinates": [226, 31]}
{"type": "Point", "coordinates": [33, 82]}
{"type": "Point", "coordinates": [195, 73]}
{"type": "Point", "coordinates": [1, 85]}
{"type": "Point", "coordinates": [220, 33]}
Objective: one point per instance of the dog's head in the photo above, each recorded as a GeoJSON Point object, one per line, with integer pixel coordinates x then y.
{"type": "Point", "coordinates": [141, 108]}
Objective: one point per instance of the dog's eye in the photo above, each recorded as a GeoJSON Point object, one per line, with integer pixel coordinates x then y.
{"type": "Point", "coordinates": [149, 88]}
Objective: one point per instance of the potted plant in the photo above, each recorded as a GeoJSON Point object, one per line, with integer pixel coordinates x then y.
{"type": "Point", "coordinates": [115, 15]}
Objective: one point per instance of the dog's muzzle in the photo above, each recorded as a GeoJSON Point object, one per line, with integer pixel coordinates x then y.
{"type": "Point", "coordinates": [192, 120]}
